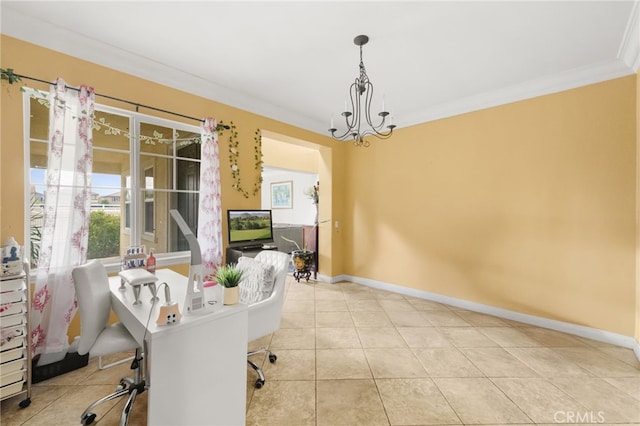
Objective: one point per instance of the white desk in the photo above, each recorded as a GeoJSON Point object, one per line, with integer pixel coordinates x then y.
{"type": "Point", "coordinates": [197, 369]}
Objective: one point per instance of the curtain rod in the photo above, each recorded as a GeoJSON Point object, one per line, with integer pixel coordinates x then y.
{"type": "Point", "coordinates": [12, 77]}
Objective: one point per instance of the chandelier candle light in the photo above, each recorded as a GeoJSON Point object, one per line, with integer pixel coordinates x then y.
{"type": "Point", "coordinates": [354, 119]}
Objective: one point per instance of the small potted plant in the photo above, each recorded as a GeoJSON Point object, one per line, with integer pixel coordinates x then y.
{"type": "Point", "coordinates": [302, 259]}
{"type": "Point", "coordinates": [229, 276]}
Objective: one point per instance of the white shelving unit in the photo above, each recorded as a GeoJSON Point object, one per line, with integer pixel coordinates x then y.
{"type": "Point", "coordinates": [15, 340]}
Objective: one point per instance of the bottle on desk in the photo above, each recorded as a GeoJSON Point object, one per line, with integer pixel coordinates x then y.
{"type": "Point", "coordinates": [151, 262]}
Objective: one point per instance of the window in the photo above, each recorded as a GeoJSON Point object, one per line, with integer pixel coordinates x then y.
{"type": "Point", "coordinates": [135, 180]}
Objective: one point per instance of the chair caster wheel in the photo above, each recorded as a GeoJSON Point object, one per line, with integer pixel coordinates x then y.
{"type": "Point", "coordinates": [259, 383]}
{"type": "Point", "coordinates": [122, 385]}
{"type": "Point", "coordinates": [88, 419]}
{"type": "Point", "coordinates": [25, 403]}
{"type": "Point", "coordinates": [272, 358]}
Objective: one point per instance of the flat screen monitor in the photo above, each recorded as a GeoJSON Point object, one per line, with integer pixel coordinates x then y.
{"type": "Point", "coordinates": [249, 228]}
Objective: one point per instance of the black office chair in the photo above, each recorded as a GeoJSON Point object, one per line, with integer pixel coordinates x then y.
{"type": "Point", "coordinates": [98, 338]}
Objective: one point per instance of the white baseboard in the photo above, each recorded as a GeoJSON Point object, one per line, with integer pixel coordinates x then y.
{"type": "Point", "coordinates": [339, 278]}
{"type": "Point", "coordinates": [565, 327]}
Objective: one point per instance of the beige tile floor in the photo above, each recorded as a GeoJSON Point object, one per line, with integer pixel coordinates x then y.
{"type": "Point", "coordinates": [351, 355]}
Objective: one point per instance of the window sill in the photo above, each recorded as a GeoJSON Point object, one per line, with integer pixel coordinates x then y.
{"type": "Point", "coordinates": [113, 267]}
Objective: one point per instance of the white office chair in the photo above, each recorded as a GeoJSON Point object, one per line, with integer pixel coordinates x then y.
{"type": "Point", "coordinates": [98, 338]}
{"type": "Point", "coordinates": [264, 315]}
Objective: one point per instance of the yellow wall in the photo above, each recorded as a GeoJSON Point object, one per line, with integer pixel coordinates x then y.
{"type": "Point", "coordinates": [528, 206]}
{"type": "Point", "coordinates": [284, 155]}
{"type": "Point", "coordinates": [637, 335]}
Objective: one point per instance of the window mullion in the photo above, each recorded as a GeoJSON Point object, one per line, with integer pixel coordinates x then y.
{"type": "Point", "coordinates": [135, 182]}
{"type": "Point", "coordinates": [26, 123]}
{"type": "Point", "coordinates": [174, 177]}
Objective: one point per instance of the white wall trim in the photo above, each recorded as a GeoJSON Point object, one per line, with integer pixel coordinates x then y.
{"type": "Point", "coordinates": [629, 50]}
{"type": "Point", "coordinates": [570, 79]}
{"type": "Point", "coordinates": [324, 279]}
{"type": "Point", "coordinates": [339, 278]}
{"type": "Point", "coordinates": [564, 327]}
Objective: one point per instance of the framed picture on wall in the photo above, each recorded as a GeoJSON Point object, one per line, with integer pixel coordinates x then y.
{"type": "Point", "coordinates": [282, 195]}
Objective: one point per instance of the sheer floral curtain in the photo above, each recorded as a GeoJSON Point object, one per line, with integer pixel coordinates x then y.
{"type": "Point", "coordinates": [210, 210]}
{"type": "Point", "coordinates": [66, 219]}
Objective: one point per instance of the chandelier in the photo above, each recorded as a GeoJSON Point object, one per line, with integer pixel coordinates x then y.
{"type": "Point", "coordinates": [358, 119]}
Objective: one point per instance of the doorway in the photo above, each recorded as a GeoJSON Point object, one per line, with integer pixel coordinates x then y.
{"type": "Point", "coordinates": [305, 165]}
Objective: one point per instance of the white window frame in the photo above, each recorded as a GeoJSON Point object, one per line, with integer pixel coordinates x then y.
{"type": "Point", "coordinates": [136, 229]}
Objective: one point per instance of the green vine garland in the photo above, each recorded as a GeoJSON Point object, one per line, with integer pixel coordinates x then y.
{"type": "Point", "coordinates": [234, 154]}
{"type": "Point", "coordinates": [9, 75]}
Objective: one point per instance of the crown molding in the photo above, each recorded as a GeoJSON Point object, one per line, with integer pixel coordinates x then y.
{"type": "Point", "coordinates": [629, 50]}
{"type": "Point", "coordinates": [567, 80]}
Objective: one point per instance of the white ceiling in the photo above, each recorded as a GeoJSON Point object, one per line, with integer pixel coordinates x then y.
{"type": "Point", "coordinates": [293, 61]}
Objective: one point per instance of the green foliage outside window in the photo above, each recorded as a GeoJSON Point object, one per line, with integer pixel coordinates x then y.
{"type": "Point", "coordinates": [104, 235]}
{"type": "Point", "coordinates": [37, 215]}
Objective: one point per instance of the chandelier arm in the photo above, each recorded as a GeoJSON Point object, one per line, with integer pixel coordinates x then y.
{"type": "Point", "coordinates": [342, 136]}
{"type": "Point", "coordinates": [357, 107]}
{"type": "Point", "coordinates": [377, 128]}
{"type": "Point", "coordinates": [367, 103]}
{"type": "Point", "coordinates": [354, 110]}
{"type": "Point", "coordinates": [350, 117]}
{"type": "Point", "coordinates": [379, 135]}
